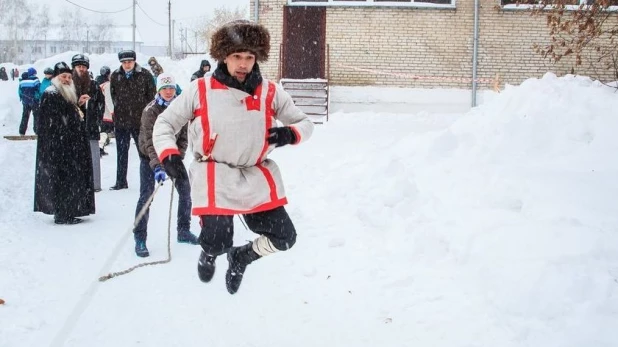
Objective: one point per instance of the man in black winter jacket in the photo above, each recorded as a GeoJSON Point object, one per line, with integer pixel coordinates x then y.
{"type": "Point", "coordinates": [203, 71]}
{"type": "Point", "coordinates": [132, 88]}
{"type": "Point", "coordinates": [93, 111]}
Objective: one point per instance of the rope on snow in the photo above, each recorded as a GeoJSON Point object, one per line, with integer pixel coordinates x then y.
{"type": "Point", "coordinates": [139, 217]}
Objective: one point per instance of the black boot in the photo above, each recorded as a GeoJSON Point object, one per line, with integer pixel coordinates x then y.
{"type": "Point", "coordinates": [206, 267]}
{"type": "Point", "coordinates": [119, 186]}
{"type": "Point", "coordinates": [67, 220]}
{"type": "Point", "coordinates": [238, 258]}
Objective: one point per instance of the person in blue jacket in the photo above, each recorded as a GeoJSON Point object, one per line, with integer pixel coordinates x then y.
{"type": "Point", "coordinates": [30, 96]}
{"type": "Point", "coordinates": [46, 82]}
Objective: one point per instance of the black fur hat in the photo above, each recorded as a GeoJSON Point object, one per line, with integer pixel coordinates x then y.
{"type": "Point", "coordinates": [240, 36]}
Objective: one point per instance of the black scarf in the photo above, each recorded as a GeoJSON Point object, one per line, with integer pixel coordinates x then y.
{"type": "Point", "coordinates": [254, 78]}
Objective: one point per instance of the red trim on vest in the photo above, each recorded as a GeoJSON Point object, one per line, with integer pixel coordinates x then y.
{"type": "Point", "coordinates": [202, 211]}
{"type": "Point", "coordinates": [270, 97]}
{"type": "Point", "coordinates": [215, 84]}
{"type": "Point", "coordinates": [168, 152]}
{"type": "Point", "coordinates": [210, 174]}
{"type": "Point", "coordinates": [270, 113]}
{"type": "Point", "coordinates": [201, 87]}
{"type": "Point", "coordinates": [202, 112]}
{"type": "Point", "coordinates": [253, 101]}
{"type": "Point", "coordinates": [271, 182]}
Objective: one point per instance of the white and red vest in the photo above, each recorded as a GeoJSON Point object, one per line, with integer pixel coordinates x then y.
{"type": "Point", "coordinates": [228, 128]}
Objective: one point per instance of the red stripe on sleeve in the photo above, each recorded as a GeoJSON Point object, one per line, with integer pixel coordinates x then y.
{"type": "Point", "coordinates": [167, 152]}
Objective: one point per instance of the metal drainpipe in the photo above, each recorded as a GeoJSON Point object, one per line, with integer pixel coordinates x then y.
{"type": "Point", "coordinates": [256, 10]}
{"type": "Point", "coordinates": [475, 51]}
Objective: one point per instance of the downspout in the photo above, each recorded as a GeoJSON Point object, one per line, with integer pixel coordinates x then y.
{"type": "Point", "coordinates": [475, 51]}
{"type": "Point", "coordinates": [256, 10]}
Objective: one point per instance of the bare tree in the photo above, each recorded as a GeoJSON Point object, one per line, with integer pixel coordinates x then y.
{"type": "Point", "coordinates": [102, 31]}
{"type": "Point", "coordinates": [587, 32]}
{"type": "Point", "coordinates": [16, 16]}
{"type": "Point", "coordinates": [205, 26]}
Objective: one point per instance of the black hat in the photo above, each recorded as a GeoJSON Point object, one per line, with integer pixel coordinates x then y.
{"type": "Point", "coordinates": [126, 55]}
{"type": "Point", "coordinates": [105, 70]}
{"type": "Point", "coordinates": [61, 67]}
{"type": "Point", "coordinates": [48, 71]}
{"type": "Point", "coordinates": [80, 59]}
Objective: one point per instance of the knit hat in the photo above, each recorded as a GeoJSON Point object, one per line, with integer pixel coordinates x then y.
{"type": "Point", "coordinates": [240, 36]}
{"type": "Point", "coordinates": [126, 55]}
{"type": "Point", "coordinates": [61, 67]}
{"type": "Point", "coordinates": [165, 80]}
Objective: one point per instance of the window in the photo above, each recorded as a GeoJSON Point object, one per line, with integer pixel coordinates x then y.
{"type": "Point", "coordinates": [99, 50]}
{"type": "Point", "coordinates": [381, 3]}
{"type": "Point", "coordinates": [574, 3]}
{"type": "Point", "coordinates": [52, 49]}
{"type": "Point", "coordinates": [37, 49]}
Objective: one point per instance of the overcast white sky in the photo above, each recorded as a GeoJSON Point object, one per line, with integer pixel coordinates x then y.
{"type": "Point", "coordinates": [185, 12]}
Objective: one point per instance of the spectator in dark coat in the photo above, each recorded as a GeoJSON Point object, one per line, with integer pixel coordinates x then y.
{"type": "Point", "coordinates": [203, 71]}
{"type": "Point", "coordinates": [155, 67]}
{"type": "Point", "coordinates": [63, 180]}
{"type": "Point", "coordinates": [132, 88]}
{"type": "Point", "coordinates": [93, 110]}
{"type": "Point", "coordinates": [3, 75]}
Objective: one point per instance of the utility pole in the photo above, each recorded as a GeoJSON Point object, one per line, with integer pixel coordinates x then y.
{"type": "Point", "coordinates": [169, 24]}
{"type": "Point", "coordinates": [173, 35]}
{"type": "Point", "coordinates": [134, 25]}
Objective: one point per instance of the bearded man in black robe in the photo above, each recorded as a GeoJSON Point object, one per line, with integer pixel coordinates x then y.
{"type": "Point", "coordinates": [63, 182]}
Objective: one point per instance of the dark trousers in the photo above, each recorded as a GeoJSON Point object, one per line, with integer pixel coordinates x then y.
{"type": "Point", "coordinates": [25, 117]}
{"type": "Point", "coordinates": [217, 235]}
{"type": "Point", "coordinates": [146, 188]}
{"type": "Point", "coordinates": [123, 142]}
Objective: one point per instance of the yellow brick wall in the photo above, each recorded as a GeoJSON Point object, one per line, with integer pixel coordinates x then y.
{"type": "Point", "coordinates": [435, 45]}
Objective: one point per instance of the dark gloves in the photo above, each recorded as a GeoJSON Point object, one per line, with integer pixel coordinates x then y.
{"type": "Point", "coordinates": [281, 136]}
{"type": "Point", "coordinates": [174, 167]}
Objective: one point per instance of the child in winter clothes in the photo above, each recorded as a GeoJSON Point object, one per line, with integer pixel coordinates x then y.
{"type": "Point", "coordinates": [151, 169]}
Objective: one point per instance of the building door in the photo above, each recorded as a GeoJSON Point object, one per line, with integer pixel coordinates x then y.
{"type": "Point", "coordinates": [304, 42]}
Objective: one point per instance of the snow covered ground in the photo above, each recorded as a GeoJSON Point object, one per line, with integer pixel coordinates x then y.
{"type": "Point", "coordinates": [493, 227]}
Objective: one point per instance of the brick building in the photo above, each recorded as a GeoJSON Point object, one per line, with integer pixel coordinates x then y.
{"type": "Point", "coordinates": [403, 38]}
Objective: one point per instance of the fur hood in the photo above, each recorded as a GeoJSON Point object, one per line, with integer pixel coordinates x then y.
{"type": "Point", "coordinates": [240, 36]}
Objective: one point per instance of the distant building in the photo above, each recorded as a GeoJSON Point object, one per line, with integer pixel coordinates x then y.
{"type": "Point", "coordinates": [16, 48]}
